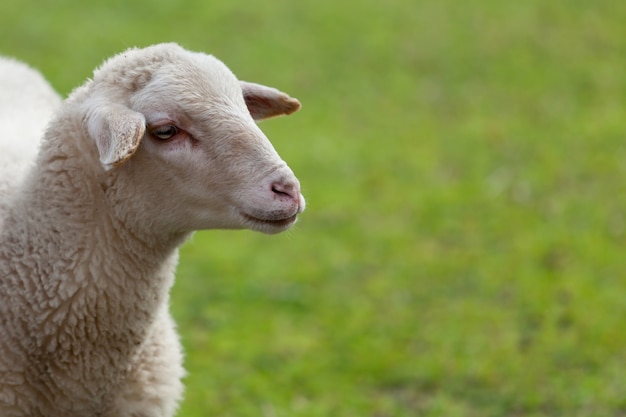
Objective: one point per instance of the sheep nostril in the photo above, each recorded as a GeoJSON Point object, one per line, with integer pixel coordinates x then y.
{"type": "Point", "coordinates": [286, 190]}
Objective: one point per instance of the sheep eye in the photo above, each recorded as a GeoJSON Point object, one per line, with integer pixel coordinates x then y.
{"type": "Point", "coordinates": [165, 132]}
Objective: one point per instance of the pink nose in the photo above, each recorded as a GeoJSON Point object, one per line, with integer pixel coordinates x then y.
{"type": "Point", "coordinates": [286, 190]}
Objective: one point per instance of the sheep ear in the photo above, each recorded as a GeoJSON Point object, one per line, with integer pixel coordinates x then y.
{"type": "Point", "coordinates": [265, 102]}
{"type": "Point", "coordinates": [117, 131]}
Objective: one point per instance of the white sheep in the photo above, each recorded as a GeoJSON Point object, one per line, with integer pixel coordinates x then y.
{"type": "Point", "coordinates": [162, 142]}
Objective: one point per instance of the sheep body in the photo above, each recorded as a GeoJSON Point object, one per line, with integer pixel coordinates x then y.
{"type": "Point", "coordinates": [160, 143]}
{"type": "Point", "coordinates": [27, 104]}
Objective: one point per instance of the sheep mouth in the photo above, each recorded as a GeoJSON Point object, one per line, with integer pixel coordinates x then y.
{"type": "Point", "coordinates": [275, 223]}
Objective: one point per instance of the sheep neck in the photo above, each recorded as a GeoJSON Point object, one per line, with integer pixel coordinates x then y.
{"type": "Point", "coordinates": [91, 289]}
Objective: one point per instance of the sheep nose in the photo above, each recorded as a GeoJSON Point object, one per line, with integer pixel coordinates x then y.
{"type": "Point", "coordinates": [286, 190]}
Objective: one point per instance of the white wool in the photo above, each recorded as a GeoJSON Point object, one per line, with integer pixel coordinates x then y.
{"type": "Point", "coordinates": [160, 143]}
{"type": "Point", "coordinates": [27, 105]}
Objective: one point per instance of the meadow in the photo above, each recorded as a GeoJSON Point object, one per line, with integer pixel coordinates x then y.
{"type": "Point", "coordinates": [464, 165]}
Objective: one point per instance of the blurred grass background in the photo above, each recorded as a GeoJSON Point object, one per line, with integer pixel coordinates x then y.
{"type": "Point", "coordinates": [464, 167]}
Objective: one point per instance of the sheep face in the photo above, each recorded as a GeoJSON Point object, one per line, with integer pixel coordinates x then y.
{"type": "Point", "coordinates": [178, 135]}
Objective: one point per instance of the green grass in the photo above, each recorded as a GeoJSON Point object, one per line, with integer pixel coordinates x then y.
{"type": "Point", "coordinates": [465, 171]}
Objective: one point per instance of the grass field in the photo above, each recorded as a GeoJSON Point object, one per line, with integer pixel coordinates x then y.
{"type": "Point", "coordinates": [464, 163]}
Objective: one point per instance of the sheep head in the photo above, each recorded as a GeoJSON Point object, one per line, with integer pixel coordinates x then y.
{"type": "Point", "coordinates": [177, 139]}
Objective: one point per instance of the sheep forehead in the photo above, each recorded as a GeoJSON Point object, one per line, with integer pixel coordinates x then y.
{"type": "Point", "coordinates": [202, 76]}
{"type": "Point", "coordinates": [195, 84]}
{"type": "Point", "coordinates": [169, 69]}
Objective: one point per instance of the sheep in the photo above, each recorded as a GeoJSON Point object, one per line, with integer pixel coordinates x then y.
{"type": "Point", "coordinates": [26, 97]}
{"type": "Point", "coordinates": [161, 142]}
